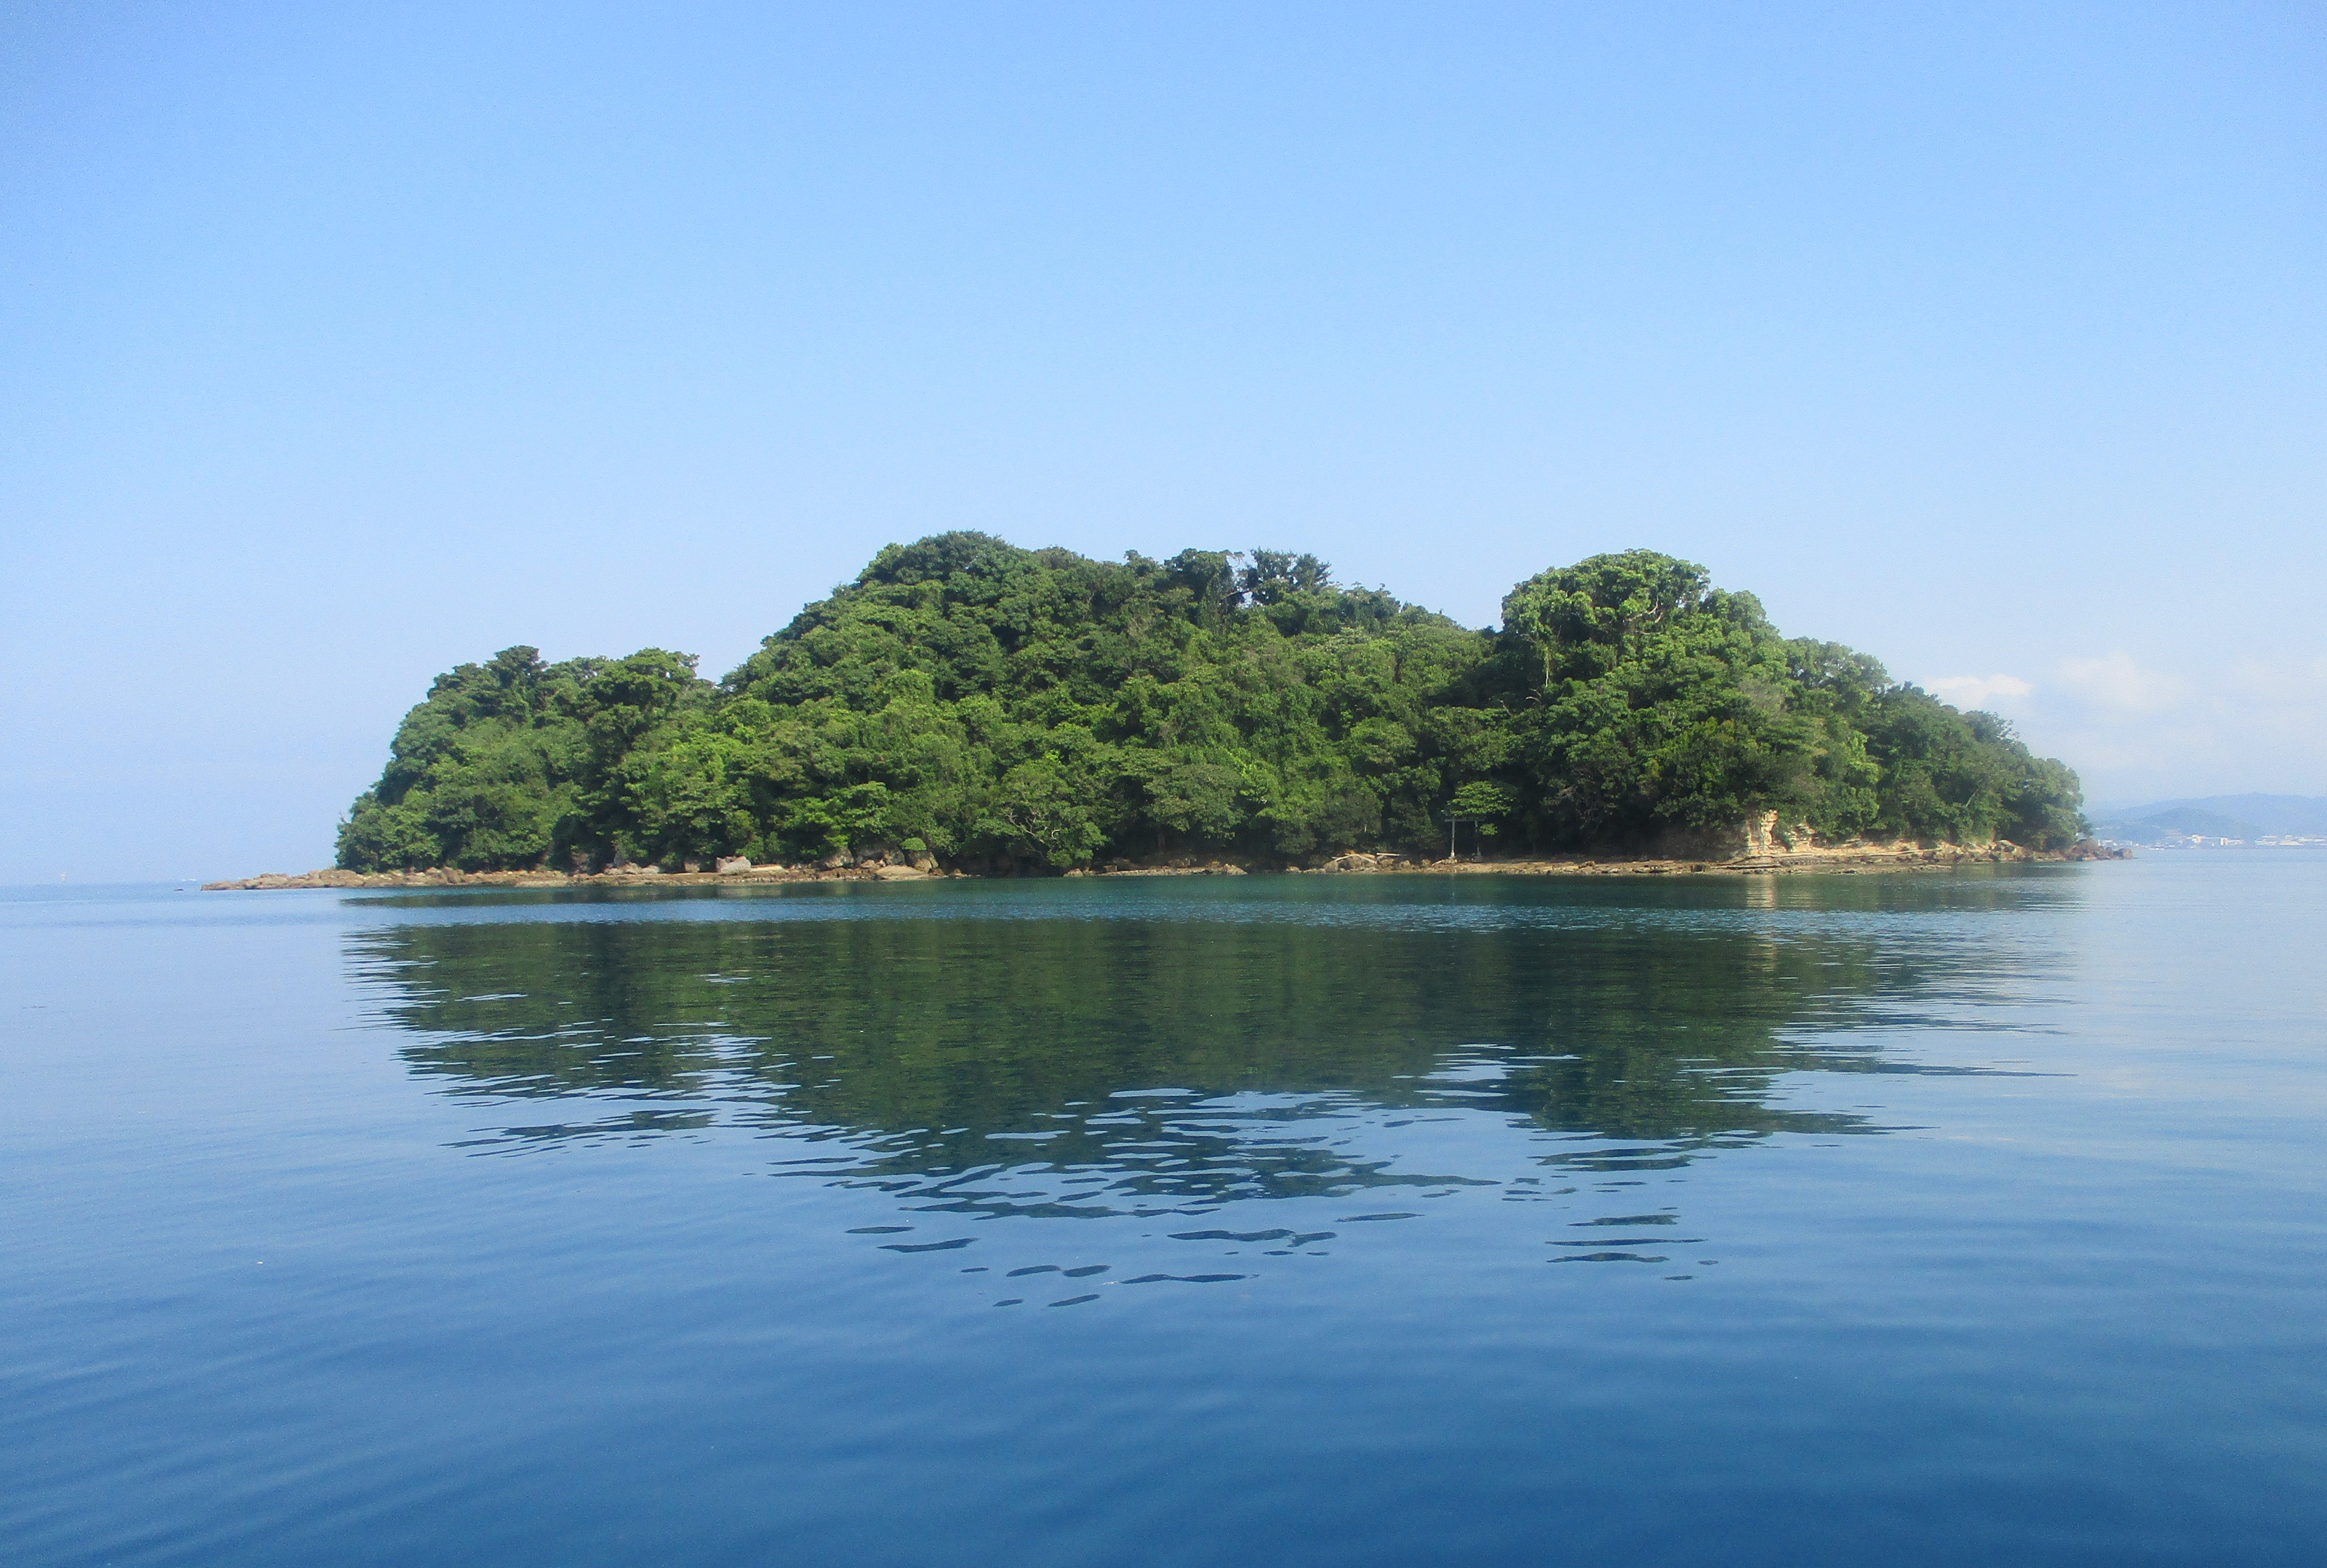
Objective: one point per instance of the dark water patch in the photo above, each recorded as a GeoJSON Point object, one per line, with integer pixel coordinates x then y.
{"type": "Point", "coordinates": [1202, 1279]}
{"type": "Point", "coordinates": [957, 1242]}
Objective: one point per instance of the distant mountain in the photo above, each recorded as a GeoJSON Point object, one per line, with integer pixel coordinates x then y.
{"type": "Point", "coordinates": [2246, 816]}
{"type": "Point", "coordinates": [2181, 822]}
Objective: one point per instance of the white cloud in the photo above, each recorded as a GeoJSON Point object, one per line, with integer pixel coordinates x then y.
{"type": "Point", "coordinates": [2116, 681]}
{"type": "Point", "coordinates": [2256, 722]}
{"type": "Point", "coordinates": [1976, 691]}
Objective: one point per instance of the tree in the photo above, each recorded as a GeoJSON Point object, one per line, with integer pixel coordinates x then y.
{"type": "Point", "coordinates": [1015, 708]}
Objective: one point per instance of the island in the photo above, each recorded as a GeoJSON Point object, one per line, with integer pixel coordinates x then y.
{"type": "Point", "coordinates": [966, 707]}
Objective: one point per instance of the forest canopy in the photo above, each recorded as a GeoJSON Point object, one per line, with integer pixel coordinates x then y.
{"type": "Point", "coordinates": [1007, 708]}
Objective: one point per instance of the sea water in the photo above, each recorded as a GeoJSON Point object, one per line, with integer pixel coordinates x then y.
{"type": "Point", "coordinates": [1935, 1218]}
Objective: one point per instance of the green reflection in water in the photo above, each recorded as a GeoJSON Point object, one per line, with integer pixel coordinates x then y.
{"type": "Point", "coordinates": [1161, 1058]}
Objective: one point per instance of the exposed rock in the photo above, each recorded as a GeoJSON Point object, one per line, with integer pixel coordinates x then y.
{"type": "Point", "coordinates": [898, 873]}
{"type": "Point", "coordinates": [733, 864]}
{"type": "Point", "coordinates": [836, 860]}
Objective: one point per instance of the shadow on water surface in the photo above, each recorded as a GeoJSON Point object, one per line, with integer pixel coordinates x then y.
{"type": "Point", "coordinates": [1085, 1051]}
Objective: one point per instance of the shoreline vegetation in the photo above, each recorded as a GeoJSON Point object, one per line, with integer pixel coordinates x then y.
{"type": "Point", "coordinates": [1846, 859]}
{"type": "Point", "coordinates": [965, 706]}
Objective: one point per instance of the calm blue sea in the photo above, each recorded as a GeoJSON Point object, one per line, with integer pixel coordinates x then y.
{"type": "Point", "coordinates": [1977, 1217]}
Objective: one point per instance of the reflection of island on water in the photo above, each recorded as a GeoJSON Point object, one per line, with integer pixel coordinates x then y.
{"type": "Point", "coordinates": [1138, 1065]}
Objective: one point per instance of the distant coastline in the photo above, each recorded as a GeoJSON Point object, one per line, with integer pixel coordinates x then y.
{"type": "Point", "coordinates": [2219, 822]}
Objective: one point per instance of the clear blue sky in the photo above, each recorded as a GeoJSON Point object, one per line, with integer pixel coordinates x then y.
{"type": "Point", "coordinates": [346, 344]}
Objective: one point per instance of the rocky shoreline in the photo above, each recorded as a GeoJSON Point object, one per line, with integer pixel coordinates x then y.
{"type": "Point", "coordinates": [1846, 859]}
{"type": "Point", "coordinates": [1841, 858]}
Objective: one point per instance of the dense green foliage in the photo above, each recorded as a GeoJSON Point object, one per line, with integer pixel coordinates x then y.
{"type": "Point", "coordinates": [1036, 709]}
